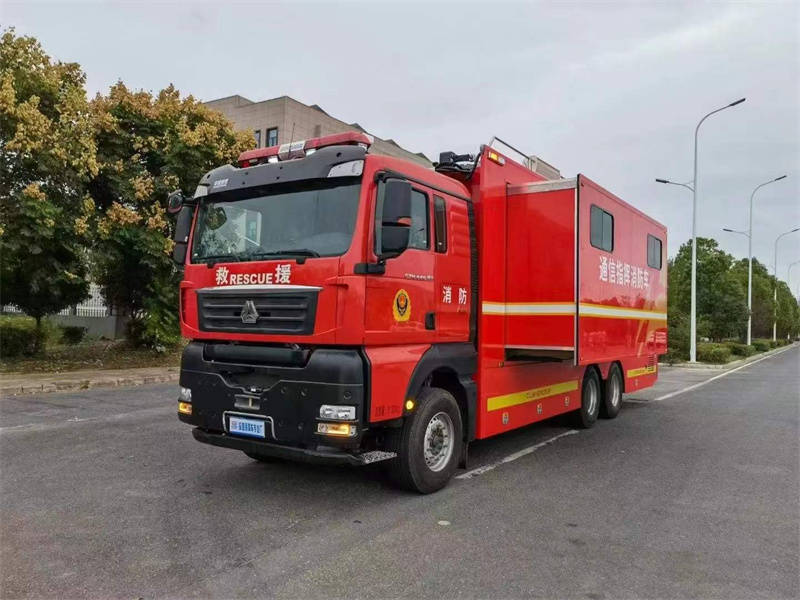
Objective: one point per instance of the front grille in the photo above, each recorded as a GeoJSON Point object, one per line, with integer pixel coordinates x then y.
{"type": "Point", "coordinates": [279, 311]}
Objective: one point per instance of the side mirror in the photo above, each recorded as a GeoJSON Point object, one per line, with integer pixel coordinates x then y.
{"type": "Point", "coordinates": [394, 239]}
{"type": "Point", "coordinates": [183, 227]}
{"type": "Point", "coordinates": [395, 218]}
{"type": "Point", "coordinates": [175, 202]}
{"type": "Point", "coordinates": [396, 201]}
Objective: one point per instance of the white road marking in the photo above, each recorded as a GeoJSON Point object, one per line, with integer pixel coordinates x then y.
{"type": "Point", "coordinates": [535, 447]}
{"type": "Point", "coordinates": [73, 421]}
{"type": "Point", "coordinates": [514, 456]}
{"type": "Point", "coordinates": [721, 375]}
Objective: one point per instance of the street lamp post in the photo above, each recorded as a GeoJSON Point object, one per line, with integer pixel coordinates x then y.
{"type": "Point", "coordinates": [789, 270]}
{"type": "Point", "coordinates": [750, 261]}
{"type": "Point", "coordinates": [775, 291]}
{"type": "Point", "coordinates": [693, 317]}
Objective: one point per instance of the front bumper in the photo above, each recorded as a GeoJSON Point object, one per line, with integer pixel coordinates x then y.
{"type": "Point", "coordinates": [285, 387]}
{"type": "Point", "coordinates": [328, 456]}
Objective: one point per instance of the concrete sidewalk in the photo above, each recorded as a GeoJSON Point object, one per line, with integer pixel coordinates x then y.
{"type": "Point", "coordinates": [729, 365]}
{"type": "Point", "coordinates": [15, 384]}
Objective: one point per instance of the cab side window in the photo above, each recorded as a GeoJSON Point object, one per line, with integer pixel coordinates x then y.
{"type": "Point", "coordinates": [419, 236]}
{"type": "Point", "coordinates": [440, 224]}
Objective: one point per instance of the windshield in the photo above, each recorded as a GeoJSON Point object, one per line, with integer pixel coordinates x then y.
{"type": "Point", "coordinates": [315, 220]}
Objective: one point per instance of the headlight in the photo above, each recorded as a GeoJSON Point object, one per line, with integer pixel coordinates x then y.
{"type": "Point", "coordinates": [337, 413]}
{"type": "Point", "coordinates": [185, 395]}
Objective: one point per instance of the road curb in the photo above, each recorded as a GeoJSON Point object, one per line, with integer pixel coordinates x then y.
{"type": "Point", "coordinates": [730, 365]}
{"type": "Point", "coordinates": [95, 380]}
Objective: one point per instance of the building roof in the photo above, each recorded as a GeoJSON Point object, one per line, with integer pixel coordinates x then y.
{"type": "Point", "coordinates": [242, 101]}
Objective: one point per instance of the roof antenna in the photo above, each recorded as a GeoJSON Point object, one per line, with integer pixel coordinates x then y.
{"type": "Point", "coordinates": [291, 140]}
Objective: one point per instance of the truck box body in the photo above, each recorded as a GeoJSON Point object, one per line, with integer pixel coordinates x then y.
{"type": "Point", "coordinates": [551, 302]}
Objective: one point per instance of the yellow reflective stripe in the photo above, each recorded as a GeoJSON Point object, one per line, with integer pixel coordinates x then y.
{"type": "Point", "coordinates": [642, 371]}
{"type": "Point", "coordinates": [586, 309]}
{"type": "Point", "coordinates": [528, 308]}
{"type": "Point", "coordinates": [620, 312]}
{"type": "Point", "coordinates": [498, 402]}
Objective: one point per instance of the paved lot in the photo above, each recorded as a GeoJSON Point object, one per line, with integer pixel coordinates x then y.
{"type": "Point", "coordinates": [105, 494]}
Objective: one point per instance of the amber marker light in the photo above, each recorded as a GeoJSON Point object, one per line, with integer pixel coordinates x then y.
{"type": "Point", "coordinates": [339, 429]}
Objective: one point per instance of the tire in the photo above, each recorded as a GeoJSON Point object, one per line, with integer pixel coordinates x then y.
{"type": "Point", "coordinates": [591, 395]}
{"type": "Point", "coordinates": [260, 458]}
{"type": "Point", "coordinates": [436, 424]}
{"type": "Point", "coordinates": [612, 393]}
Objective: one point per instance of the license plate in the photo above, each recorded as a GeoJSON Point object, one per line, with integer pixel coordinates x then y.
{"type": "Point", "coordinates": [248, 427]}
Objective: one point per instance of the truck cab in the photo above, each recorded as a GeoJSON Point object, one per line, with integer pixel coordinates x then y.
{"type": "Point", "coordinates": [316, 277]}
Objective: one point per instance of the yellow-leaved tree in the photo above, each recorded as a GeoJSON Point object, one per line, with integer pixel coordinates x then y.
{"type": "Point", "coordinates": [47, 155]}
{"type": "Point", "coordinates": [148, 145]}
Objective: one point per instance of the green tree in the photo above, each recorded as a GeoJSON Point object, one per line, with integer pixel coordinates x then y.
{"type": "Point", "coordinates": [148, 146]}
{"type": "Point", "coordinates": [763, 305]}
{"type": "Point", "coordinates": [47, 153]}
{"type": "Point", "coordinates": [721, 298]}
{"type": "Point", "coordinates": [788, 312]}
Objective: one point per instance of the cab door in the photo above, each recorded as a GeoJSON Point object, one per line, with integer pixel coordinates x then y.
{"type": "Point", "coordinates": [400, 303]}
{"type": "Point", "coordinates": [452, 251]}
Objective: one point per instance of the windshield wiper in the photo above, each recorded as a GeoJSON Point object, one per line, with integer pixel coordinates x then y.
{"type": "Point", "coordinates": [292, 252]}
{"type": "Point", "coordinates": [215, 258]}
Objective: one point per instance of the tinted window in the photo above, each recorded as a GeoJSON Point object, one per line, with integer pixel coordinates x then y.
{"type": "Point", "coordinates": [440, 223]}
{"type": "Point", "coordinates": [601, 229]}
{"type": "Point", "coordinates": [653, 252]}
{"type": "Point", "coordinates": [418, 236]}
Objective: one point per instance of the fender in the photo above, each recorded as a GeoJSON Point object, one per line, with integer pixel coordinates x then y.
{"type": "Point", "coordinates": [459, 359]}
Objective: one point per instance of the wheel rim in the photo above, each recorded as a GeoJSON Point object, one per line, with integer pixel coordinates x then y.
{"type": "Point", "coordinates": [438, 442]}
{"type": "Point", "coordinates": [591, 397]}
{"type": "Point", "coordinates": [615, 391]}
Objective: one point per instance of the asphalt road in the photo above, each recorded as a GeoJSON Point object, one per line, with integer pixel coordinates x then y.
{"type": "Point", "coordinates": [105, 494]}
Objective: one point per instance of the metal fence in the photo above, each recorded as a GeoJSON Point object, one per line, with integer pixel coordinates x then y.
{"type": "Point", "coordinates": [93, 306]}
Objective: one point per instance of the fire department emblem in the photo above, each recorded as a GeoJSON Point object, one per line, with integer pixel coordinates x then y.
{"type": "Point", "coordinates": [401, 308]}
{"type": "Point", "coordinates": [249, 313]}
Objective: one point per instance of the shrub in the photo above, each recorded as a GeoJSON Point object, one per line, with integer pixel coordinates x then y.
{"type": "Point", "coordinates": [19, 336]}
{"type": "Point", "coordinates": [761, 345]}
{"type": "Point", "coordinates": [72, 334]}
{"type": "Point", "coordinates": [738, 349]}
{"type": "Point", "coordinates": [717, 354]}
{"type": "Point", "coordinates": [674, 355]}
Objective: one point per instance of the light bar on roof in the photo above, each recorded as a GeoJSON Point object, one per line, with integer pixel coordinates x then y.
{"type": "Point", "coordinates": [301, 148]}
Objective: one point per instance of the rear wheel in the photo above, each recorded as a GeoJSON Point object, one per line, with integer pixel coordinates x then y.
{"type": "Point", "coordinates": [429, 444]}
{"type": "Point", "coordinates": [612, 393]}
{"type": "Point", "coordinates": [590, 400]}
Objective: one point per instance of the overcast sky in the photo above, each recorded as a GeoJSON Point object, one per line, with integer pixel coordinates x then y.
{"type": "Point", "coordinates": [611, 90]}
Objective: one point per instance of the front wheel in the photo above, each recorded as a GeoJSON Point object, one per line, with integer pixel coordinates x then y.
{"type": "Point", "coordinates": [429, 444]}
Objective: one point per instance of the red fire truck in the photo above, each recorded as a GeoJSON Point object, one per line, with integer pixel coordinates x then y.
{"type": "Point", "coordinates": [349, 307]}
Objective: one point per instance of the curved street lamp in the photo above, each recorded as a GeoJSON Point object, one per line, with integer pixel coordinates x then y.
{"type": "Point", "coordinates": [693, 187]}
{"type": "Point", "coordinates": [750, 261]}
{"type": "Point", "coordinates": [775, 291]}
